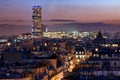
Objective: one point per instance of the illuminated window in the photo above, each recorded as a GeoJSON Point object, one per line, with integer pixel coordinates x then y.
{"type": "Point", "coordinates": [69, 57]}
{"type": "Point", "coordinates": [54, 43]}
{"type": "Point", "coordinates": [79, 52]}
{"type": "Point", "coordinates": [96, 49]}
{"type": "Point", "coordinates": [83, 56]}
{"type": "Point", "coordinates": [45, 44]}
{"type": "Point", "coordinates": [94, 55]}
{"type": "Point", "coordinates": [8, 43]}
{"type": "Point", "coordinates": [34, 48]}
{"type": "Point", "coordinates": [76, 52]}
{"type": "Point", "coordinates": [78, 60]}
{"type": "Point", "coordinates": [71, 62]}
{"type": "Point", "coordinates": [97, 55]}
{"type": "Point", "coordinates": [82, 52]}
{"type": "Point", "coordinates": [76, 56]}
{"type": "Point", "coordinates": [106, 56]}
{"type": "Point", "coordinates": [80, 56]}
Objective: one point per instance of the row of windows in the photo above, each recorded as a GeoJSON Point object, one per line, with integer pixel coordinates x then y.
{"type": "Point", "coordinates": [36, 30]}
{"type": "Point", "coordinates": [82, 52]}
{"type": "Point", "coordinates": [117, 50]}
{"type": "Point", "coordinates": [110, 45]}
{"type": "Point", "coordinates": [80, 56]}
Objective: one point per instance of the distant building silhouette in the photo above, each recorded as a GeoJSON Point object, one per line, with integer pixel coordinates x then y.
{"type": "Point", "coordinates": [99, 39]}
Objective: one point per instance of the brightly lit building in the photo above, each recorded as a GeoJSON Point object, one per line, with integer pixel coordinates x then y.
{"type": "Point", "coordinates": [57, 34]}
{"type": "Point", "coordinates": [36, 21]}
{"type": "Point", "coordinates": [80, 54]}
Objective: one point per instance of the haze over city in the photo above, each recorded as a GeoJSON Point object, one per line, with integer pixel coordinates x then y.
{"type": "Point", "coordinates": [16, 14]}
{"type": "Point", "coordinates": [59, 39]}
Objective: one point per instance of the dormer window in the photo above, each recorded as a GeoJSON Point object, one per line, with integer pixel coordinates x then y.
{"type": "Point", "coordinates": [76, 52]}
{"type": "Point", "coordinates": [79, 52]}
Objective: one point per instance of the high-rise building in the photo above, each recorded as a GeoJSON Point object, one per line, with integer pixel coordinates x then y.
{"type": "Point", "coordinates": [37, 21]}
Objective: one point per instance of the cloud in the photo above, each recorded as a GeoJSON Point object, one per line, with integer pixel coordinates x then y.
{"type": "Point", "coordinates": [6, 25]}
{"type": "Point", "coordinates": [61, 20]}
{"type": "Point", "coordinates": [7, 20]}
{"type": "Point", "coordinates": [58, 21]}
{"type": "Point", "coordinates": [13, 29]}
{"type": "Point", "coordinates": [11, 25]}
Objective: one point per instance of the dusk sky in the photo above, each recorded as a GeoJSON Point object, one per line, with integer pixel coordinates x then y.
{"type": "Point", "coordinates": [83, 10]}
{"type": "Point", "coordinates": [18, 12]}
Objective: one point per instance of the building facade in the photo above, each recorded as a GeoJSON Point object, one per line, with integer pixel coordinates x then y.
{"type": "Point", "coordinates": [36, 21]}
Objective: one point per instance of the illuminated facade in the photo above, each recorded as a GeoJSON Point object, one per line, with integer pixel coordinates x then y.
{"type": "Point", "coordinates": [80, 54]}
{"type": "Point", "coordinates": [58, 34]}
{"type": "Point", "coordinates": [36, 21]}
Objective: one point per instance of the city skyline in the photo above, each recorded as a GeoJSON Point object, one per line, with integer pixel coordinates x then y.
{"type": "Point", "coordinates": [59, 40]}
{"type": "Point", "coordinates": [16, 13]}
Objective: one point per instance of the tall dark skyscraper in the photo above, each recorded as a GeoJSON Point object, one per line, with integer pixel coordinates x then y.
{"type": "Point", "coordinates": [37, 21]}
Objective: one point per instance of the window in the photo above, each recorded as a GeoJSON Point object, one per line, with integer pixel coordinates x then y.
{"type": "Point", "coordinates": [115, 50]}
{"type": "Point", "coordinates": [79, 52]}
{"type": "Point", "coordinates": [76, 56]}
{"type": "Point", "coordinates": [82, 52]}
{"type": "Point", "coordinates": [76, 52]}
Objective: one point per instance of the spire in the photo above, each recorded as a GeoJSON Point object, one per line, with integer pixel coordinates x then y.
{"type": "Point", "coordinates": [99, 35]}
